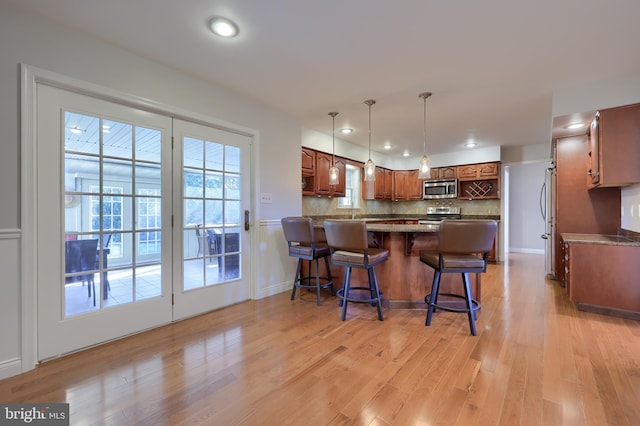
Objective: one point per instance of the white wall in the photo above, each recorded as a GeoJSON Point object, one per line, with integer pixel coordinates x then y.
{"type": "Point", "coordinates": [32, 41]}
{"type": "Point", "coordinates": [630, 219]}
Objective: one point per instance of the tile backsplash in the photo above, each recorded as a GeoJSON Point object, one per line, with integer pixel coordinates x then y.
{"type": "Point", "coordinates": [323, 206]}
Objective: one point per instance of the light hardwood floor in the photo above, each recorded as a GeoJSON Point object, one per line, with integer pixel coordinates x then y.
{"type": "Point", "coordinates": [536, 361]}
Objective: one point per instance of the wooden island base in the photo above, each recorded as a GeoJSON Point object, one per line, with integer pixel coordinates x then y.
{"type": "Point", "coordinates": [403, 279]}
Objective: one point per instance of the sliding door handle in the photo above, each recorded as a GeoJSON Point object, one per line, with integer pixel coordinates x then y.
{"type": "Point", "coordinates": [246, 220]}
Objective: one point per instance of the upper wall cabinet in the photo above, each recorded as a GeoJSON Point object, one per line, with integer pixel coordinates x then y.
{"type": "Point", "coordinates": [308, 162]}
{"type": "Point", "coordinates": [315, 174]}
{"type": "Point", "coordinates": [323, 164]}
{"type": "Point", "coordinates": [479, 181]}
{"type": "Point", "coordinates": [614, 147]}
{"type": "Point", "coordinates": [406, 185]}
{"type": "Point", "coordinates": [479, 171]}
{"type": "Point", "coordinates": [449, 172]}
{"type": "Point", "coordinates": [379, 189]}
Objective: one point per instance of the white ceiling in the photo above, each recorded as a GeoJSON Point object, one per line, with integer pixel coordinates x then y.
{"type": "Point", "coordinates": [492, 65]}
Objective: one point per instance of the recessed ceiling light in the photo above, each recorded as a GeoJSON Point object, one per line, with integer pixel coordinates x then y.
{"type": "Point", "coordinates": [223, 27]}
{"type": "Point", "coordinates": [470, 144]}
{"type": "Point", "coordinates": [387, 145]}
{"type": "Point", "coordinates": [573, 126]}
{"type": "Point", "coordinates": [405, 154]}
{"type": "Point", "coordinates": [346, 131]}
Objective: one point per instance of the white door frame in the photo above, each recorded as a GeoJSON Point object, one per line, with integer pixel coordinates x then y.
{"type": "Point", "coordinates": [29, 77]}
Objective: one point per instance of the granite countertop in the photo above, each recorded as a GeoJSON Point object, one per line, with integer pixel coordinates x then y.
{"type": "Point", "coordinates": [373, 226]}
{"type": "Point", "coordinates": [393, 227]}
{"type": "Point", "coordinates": [614, 240]}
{"type": "Point", "coordinates": [388, 227]}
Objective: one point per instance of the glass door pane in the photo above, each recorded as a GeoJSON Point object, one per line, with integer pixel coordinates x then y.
{"type": "Point", "coordinates": [211, 213]}
{"type": "Point", "coordinates": [113, 194]}
{"type": "Point", "coordinates": [215, 194]}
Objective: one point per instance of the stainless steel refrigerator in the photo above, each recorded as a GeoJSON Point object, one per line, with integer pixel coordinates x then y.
{"type": "Point", "coordinates": [547, 211]}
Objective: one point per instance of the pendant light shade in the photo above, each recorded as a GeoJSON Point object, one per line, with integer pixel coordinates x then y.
{"type": "Point", "coordinates": [423, 170]}
{"type": "Point", "coordinates": [334, 173]}
{"type": "Point", "coordinates": [369, 167]}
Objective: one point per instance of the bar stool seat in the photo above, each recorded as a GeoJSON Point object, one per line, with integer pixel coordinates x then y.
{"type": "Point", "coordinates": [303, 244]}
{"type": "Point", "coordinates": [348, 241]}
{"type": "Point", "coordinates": [463, 247]}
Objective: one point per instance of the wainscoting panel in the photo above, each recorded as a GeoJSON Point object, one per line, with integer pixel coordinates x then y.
{"type": "Point", "coordinates": [10, 363]}
{"type": "Point", "coordinates": [275, 267]}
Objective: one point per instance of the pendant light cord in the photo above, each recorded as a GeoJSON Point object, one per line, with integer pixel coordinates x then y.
{"type": "Point", "coordinates": [424, 126]}
{"type": "Point", "coordinates": [333, 133]}
{"type": "Point", "coordinates": [424, 97]}
{"type": "Point", "coordinates": [370, 102]}
{"type": "Point", "coordinates": [369, 130]}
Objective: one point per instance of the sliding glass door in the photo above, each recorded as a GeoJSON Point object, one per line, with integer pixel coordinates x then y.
{"type": "Point", "coordinates": [140, 220]}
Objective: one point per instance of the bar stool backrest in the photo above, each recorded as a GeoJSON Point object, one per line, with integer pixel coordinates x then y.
{"type": "Point", "coordinates": [346, 234]}
{"type": "Point", "coordinates": [298, 230]}
{"type": "Point", "coordinates": [467, 236]}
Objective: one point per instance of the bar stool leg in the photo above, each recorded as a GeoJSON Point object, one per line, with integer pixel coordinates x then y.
{"type": "Point", "coordinates": [433, 297]}
{"type": "Point", "coordinates": [296, 279]}
{"type": "Point", "coordinates": [467, 295]}
{"type": "Point", "coordinates": [317, 282]}
{"type": "Point", "coordinates": [326, 264]}
{"type": "Point", "coordinates": [375, 293]}
{"type": "Point", "coordinates": [346, 283]}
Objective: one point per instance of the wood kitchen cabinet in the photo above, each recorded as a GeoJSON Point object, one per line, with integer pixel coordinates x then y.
{"type": "Point", "coordinates": [308, 171]}
{"type": "Point", "coordinates": [415, 186]}
{"type": "Point", "coordinates": [479, 181]}
{"type": "Point", "coordinates": [308, 162]}
{"type": "Point", "coordinates": [323, 164]}
{"type": "Point", "coordinates": [379, 189]}
{"type": "Point", "coordinates": [614, 147]}
{"type": "Point", "coordinates": [578, 210]}
{"type": "Point", "coordinates": [400, 184]}
{"type": "Point", "coordinates": [604, 276]}
{"type": "Point", "coordinates": [449, 172]}
{"type": "Point", "coordinates": [480, 189]}
{"type": "Point", "coordinates": [407, 185]}
{"type": "Point", "coordinates": [479, 171]}
{"type": "Point", "coordinates": [315, 174]}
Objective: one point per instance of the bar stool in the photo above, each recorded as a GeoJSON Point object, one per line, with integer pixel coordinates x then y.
{"type": "Point", "coordinates": [349, 248]}
{"type": "Point", "coordinates": [463, 247]}
{"type": "Point", "coordinates": [300, 236]}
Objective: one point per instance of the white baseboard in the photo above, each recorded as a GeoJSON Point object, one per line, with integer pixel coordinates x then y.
{"type": "Point", "coordinates": [525, 250]}
{"type": "Point", "coordinates": [10, 367]}
{"type": "Point", "coordinates": [274, 289]}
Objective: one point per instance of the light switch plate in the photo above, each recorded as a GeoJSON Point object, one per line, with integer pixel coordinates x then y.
{"type": "Point", "coordinates": [265, 198]}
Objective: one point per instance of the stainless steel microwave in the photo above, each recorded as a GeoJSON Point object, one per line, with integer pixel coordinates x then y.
{"type": "Point", "coordinates": [437, 189]}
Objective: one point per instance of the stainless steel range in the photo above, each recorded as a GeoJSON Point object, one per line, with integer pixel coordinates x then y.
{"type": "Point", "coordinates": [436, 214]}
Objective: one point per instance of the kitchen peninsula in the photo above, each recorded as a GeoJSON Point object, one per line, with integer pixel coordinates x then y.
{"type": "Point", "coordinates": [403, 279]}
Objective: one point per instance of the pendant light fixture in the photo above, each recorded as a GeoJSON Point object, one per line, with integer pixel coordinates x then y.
{"type": "Point", "coordinates": [423, 171]}
{"type": "Point", "coordinates": [334, 173]}
{"type": "Point", "coordinates": [369, 167]}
